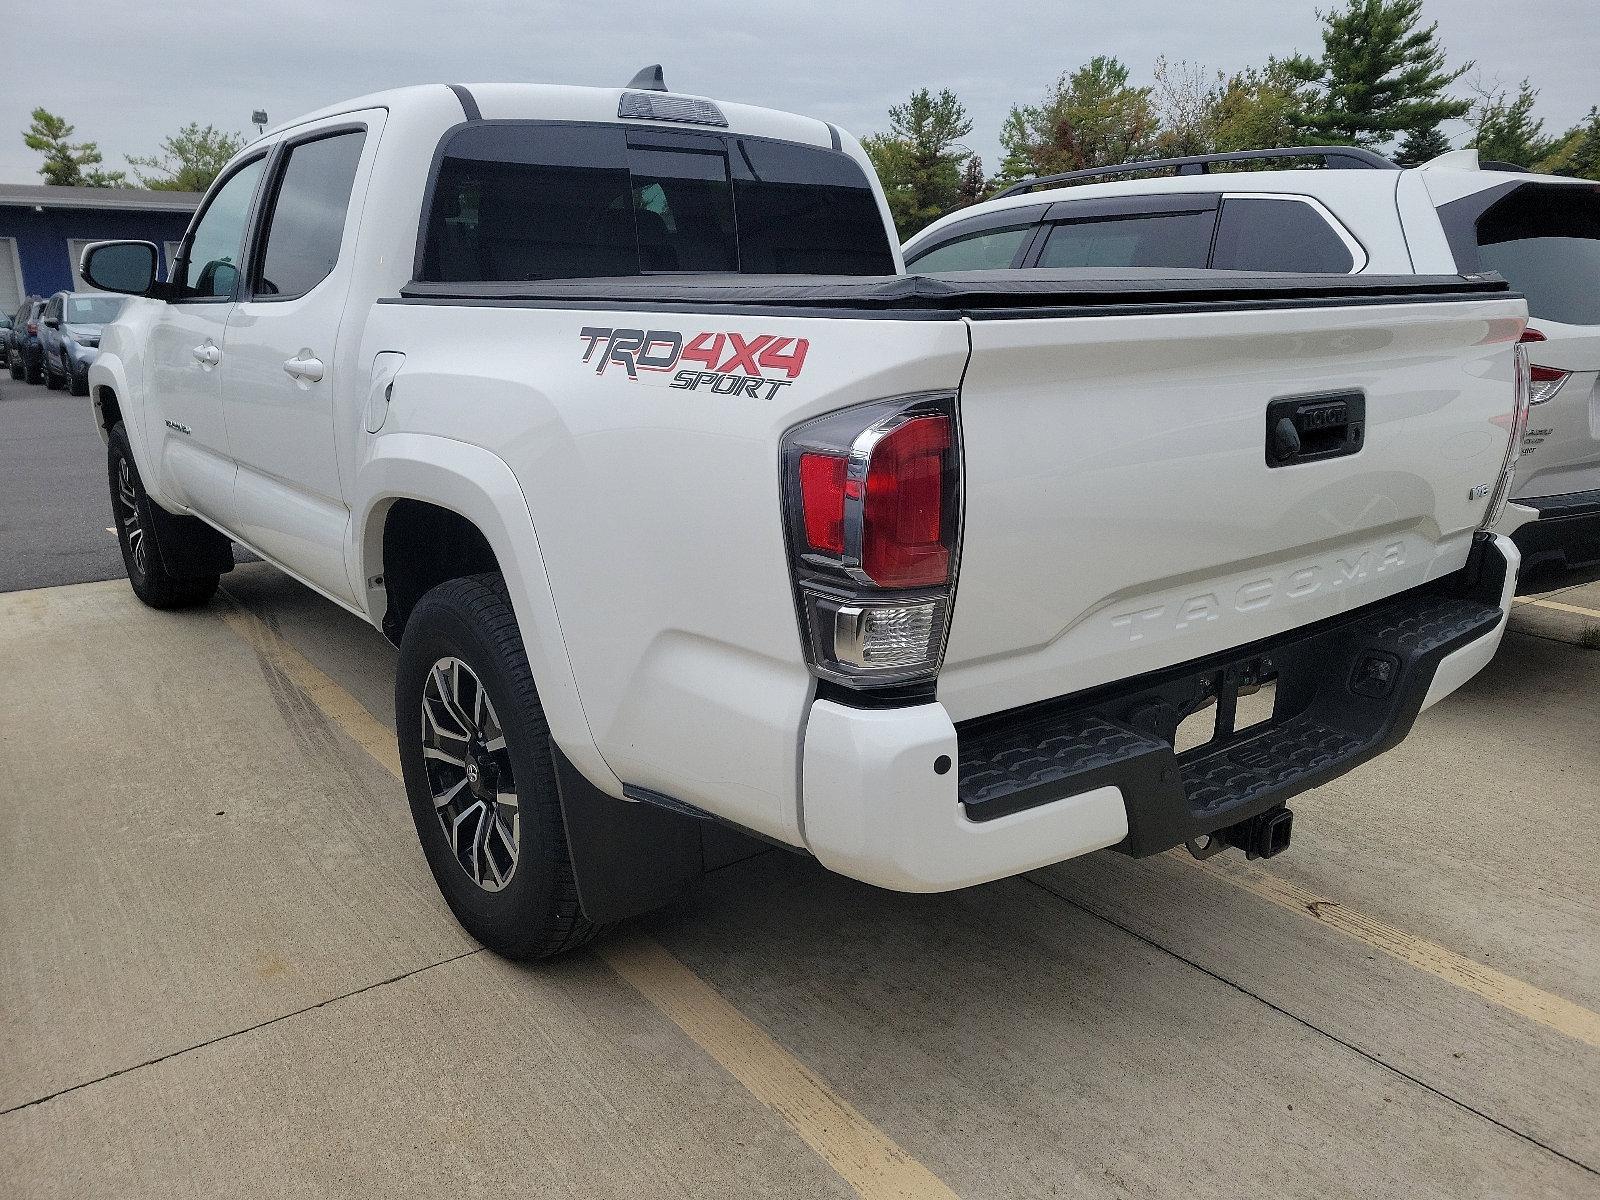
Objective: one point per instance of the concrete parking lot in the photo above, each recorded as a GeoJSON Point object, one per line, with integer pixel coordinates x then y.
{"type": "Point", "coordinates": [224, 967]}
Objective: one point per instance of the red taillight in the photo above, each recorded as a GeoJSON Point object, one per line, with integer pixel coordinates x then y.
{"type": "Point", "coordinates": [822, 500]}
{"type": "Point", "coordinates": [902, 535]}
{"type": "Point", "coordinates": [872, 501]}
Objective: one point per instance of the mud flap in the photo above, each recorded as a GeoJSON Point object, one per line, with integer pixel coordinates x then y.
{"type": "Point", "coordinates": [189, 548]}
{"type": "Point", "coordinates": [630, 856]}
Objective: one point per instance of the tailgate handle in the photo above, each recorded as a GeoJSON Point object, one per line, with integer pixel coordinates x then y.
{"type": "Point", "coordinates": [1302, 429]}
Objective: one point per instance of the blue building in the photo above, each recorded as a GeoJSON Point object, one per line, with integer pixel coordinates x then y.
{"type": "Point", "coordinates": [43, 231]}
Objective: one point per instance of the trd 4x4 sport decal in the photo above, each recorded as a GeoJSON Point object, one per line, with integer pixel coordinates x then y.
{"type": "Point", "coordinates": [729, 364]}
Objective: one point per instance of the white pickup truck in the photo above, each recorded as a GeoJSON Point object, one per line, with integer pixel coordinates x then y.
{"type": "Point", "coordinates": [696, 519]}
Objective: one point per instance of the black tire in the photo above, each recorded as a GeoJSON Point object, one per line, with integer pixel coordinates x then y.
{"type": "Point", "coordinates": [535, 913]}
{"type": "Point", "coordinates": [14, 365]}
{"type": "Point", "coordinates": [52, 381]}
{"type": "Point", "coordinates": [33, 368]}
{"type": "Point", "coordinates": [131, 509]}
{"type": "Point", "coordinates": [78, 385]}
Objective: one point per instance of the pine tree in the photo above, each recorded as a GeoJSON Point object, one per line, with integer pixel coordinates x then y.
{"type": "Point", "coordinates": [67, 163]}
{"type": "Point", "coordinates": [919, 161]}
{"type": "Point", "coordinates": [1420, 145]}
{"type": "Point", "coordinates": [1576, 152]}
{"type": "Point", "coordinates": [1507, 131]}
{"type": "Point", "coordinates": [1380, 75]}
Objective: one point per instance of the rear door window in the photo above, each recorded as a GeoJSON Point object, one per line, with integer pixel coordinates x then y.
{"type": "Point", "coordinates": [1269, 234]}
{"type": "Point", "coordinates": [989, 250]}
{"type": "Point", "coordinates": [305, 225]}
{"type": "Point", "coordinates": [526, 201]}
{"type": "Point", "coordinates": [1167, 239]}
{"type": "Point", "coordinates": [1546, 241]}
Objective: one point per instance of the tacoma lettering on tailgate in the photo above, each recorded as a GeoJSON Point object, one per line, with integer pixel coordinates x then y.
{"type": "Point", "coordinates": [1265, 591]}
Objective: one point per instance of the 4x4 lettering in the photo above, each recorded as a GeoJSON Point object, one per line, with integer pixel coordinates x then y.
{"type": "Point", "coordinates": [775, 359]}
{"type": "Point", "coordinates": [705, 348]}
{"type": "Point", "coordinates": [742, 354]}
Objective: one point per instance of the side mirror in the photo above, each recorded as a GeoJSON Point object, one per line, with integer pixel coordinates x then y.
{"type": "Point", "coordinates": [126, 267]}
{"type": "Point", "coordinates": [52, 322]}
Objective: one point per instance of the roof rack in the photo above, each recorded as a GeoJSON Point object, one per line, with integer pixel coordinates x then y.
{"type": "Point", "coordinates": [1333, 158]}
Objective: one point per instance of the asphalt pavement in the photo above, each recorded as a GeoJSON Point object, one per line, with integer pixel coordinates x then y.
{"type": "Point", "coordinates": [55, 504]}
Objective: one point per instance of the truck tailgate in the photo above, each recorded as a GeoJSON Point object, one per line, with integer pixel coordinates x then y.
{"type": "Point", "coordinates": [1123, 514]}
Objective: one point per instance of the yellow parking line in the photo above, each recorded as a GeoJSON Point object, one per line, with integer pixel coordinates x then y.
{"type": "Point", "coordinates": [862, 1154]}
{"type": "Point", "coordinates": [1559, 606]}
{"type": "Point", "coordinates": [1510, 993]}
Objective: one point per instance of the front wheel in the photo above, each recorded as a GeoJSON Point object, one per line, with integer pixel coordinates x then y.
{"type": "Point", "coordinates": [152, 581]}
{"type": "Point", "coordinates": [77, 385]}
{"type": "Point", "coordinates": [475, 752]}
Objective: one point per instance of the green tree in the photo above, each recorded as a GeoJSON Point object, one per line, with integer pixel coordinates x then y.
{"type": "Point", "coordinates": [1260, 108]}
{"type": "Point", "coordinates": [188, 160]}
{"type": "Point", "coordinates": [1092, 117]}
{"type": "Point", "coordinates": [1506, 129]}
{"type": "Point", "coordinates": [1576, 152]}
{"type": "Point", "coordinates": [1421, 144]}
{"type": "Point", "coordinates": [1380, 75]}
{"type": "Point", "coordinates": [920, 159]}
{"type": "Point", "coordinates": [67, 163]}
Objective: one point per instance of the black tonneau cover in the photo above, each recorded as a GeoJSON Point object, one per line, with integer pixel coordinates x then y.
{"type": "Point", "coordinates": [976, 294]}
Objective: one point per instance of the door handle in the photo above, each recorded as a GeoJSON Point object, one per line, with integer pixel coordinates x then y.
{"type": "Point", "coordinates": [207, 355]}
{"type": "Point", "coordinates": [304, 367]}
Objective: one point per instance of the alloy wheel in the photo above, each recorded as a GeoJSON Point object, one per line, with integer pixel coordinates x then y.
{"type": "Point", "coordinates": [469, 774]}
{"type": "Point", "coordinates": [128, 515]}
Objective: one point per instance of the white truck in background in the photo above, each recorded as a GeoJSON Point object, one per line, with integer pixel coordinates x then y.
{"type": "Point", "coordinates": [699, 524]}
{"type": "Point", "coordinates": [1368, 216]}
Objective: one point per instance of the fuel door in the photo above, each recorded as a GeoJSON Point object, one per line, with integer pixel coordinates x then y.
{"type": "Point", "coordinates": [385, 366]}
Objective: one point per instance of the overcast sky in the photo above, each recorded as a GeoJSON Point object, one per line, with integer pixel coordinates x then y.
{"type": "Point", "coordinates": [127, 74]}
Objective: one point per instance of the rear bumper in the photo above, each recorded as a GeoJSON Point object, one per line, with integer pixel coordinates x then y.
{"type": "Point", "coordinates": [1034, 786]}
{"type": "Point", "coordinates": [1566, 533]}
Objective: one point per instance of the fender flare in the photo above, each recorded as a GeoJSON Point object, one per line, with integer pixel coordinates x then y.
{"type": "Point", "coordinates": [479, 486]}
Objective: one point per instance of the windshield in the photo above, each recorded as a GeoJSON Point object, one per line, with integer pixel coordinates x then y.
{"type": "Point", "coordinates": [92, 310]}
{"type": "Point", "coordinates": [1546, 241]}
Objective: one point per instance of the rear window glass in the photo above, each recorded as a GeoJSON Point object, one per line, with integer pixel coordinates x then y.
{"type": "Point", "coordinates": [991, 250]}
{"type": "Point", "coordinates": [1278, 235]}
{"type": "Point", "coordinates": [1158, 240]}
{"type": "Point", "coordinates": [537, 201]}
{"type": "Point", "coordinates": [1546, 241]}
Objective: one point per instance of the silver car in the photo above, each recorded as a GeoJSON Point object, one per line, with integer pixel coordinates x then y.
{"type": "Point", "coordinates": [69, 336]}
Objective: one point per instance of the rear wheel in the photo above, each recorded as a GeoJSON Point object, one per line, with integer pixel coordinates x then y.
{"type": "Point", "coordinates": [147, 570]}
{"type": "Point", "coordinates": [14, 365]}
{"type": "Point", "coordinates": [475, 752]}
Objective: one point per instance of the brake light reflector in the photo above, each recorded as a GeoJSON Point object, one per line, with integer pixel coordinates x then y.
{"type": "Point", "coordinates": [902, 522]}
{"type": "Point", "coordinates": [822, 500]}
{"type": "Point", "coordinates": [1543, 382]}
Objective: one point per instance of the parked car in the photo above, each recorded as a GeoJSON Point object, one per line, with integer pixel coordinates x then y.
{"type": "Point", "coordinates": [22, 347]}
{"type": "Point", "coordinates": [69, 336]}
{"type": "Point", "coordinates": [1542, 232]}
{"type": "Point", "coordinates": [5, 339]}
{"type": "Point", "coordinates": [694, 518]}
